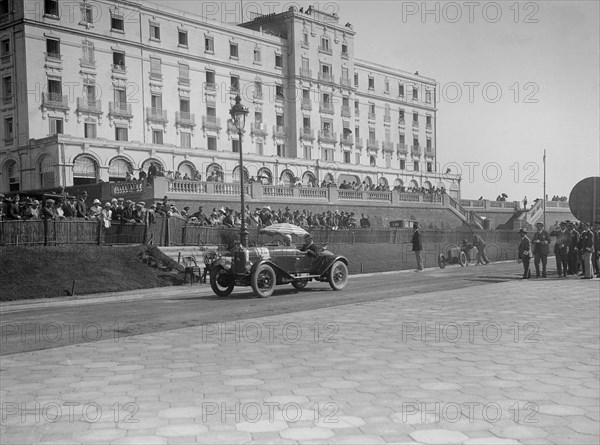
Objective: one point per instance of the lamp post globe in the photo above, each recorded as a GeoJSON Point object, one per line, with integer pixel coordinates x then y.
{"type": "Point", "coordinates": [238, 115]}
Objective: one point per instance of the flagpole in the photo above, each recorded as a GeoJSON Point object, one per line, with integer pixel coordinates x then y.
{"type": "Point", "coordinates": [544, 197]}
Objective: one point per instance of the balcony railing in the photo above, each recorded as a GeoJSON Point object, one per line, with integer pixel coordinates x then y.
{"type": "Point", "coordinates": [346, 139]}
{"type": "Point", "coordinates": [387, 146]}
{"type": "Point", "coordinates": [415, 124]}
{"type": "Point", "coordinates": [429, 151]}
{"type": "Point", "coordinates": [325, 50]}
{"type": "Point", "coordinates": [156, 115]}
{"type": "Point", "coordinates": [371, 116]}
{"type": "Point", "coordinates": [387, 118]}
{"type": "Point", "coordinates": [279, 131]}
{"type": "Point", "coordinates": [258, 129]}
{"type": "Point", "coordinates": [356, 111]}
{"type": "Point", "coordinates": [345, 81]}
{"type": "Point", "coordinates": [210, 86]}
{"type": "Point", "coordinates": [211, 123]}
{"type": "Point", "coordinates": [120, 109]}
{"type": "Point", "coordinates": [156, 76]}
{"type": "Point", "coordinates": [325, 77]}
{"type": "Point", "coordinates": [7, 99]}
{"type": "Point", "coordinates": [372, 144]}
{"type": "Point", "coordinates": [185, 118]}
{"type": "Point", "coordinates": [346, 111]}
{"type": "Point", "coordinates": [89, 105]}
{"type": "Point", "coordinates": [306, 104]}
{"type": "Point", "coordinates": [88, 62]}
{"type": "Point", "coordinates": [307, 133]}
{"type": "Point", "coordinates": [402, 149]}
{"type": "Point", "coordinates": [428, 126]}
{"type": "Point", "coordinates": [358, 142]}
{"type": "Point", "coordinates": [415, 150]}
{"type": "Point", "coordinates": [401, 121]}
{"type": "Point", "coordinates": [183, 81]}
{"type": "Point", "coordinates": [306, 72]}
{"type": "Point", "coordinates": [5, 59]}
{"type": "Point", "coordinates": [55, 100]}
{"type": "Point", "coordinates": [327, 136]}
{"type": "Point", "coordinates": [54, 57]}
{"type": "Point", "coordinates": [326, 107]}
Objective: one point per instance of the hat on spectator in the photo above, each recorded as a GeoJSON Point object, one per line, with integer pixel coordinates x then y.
{"type": "Point", "coordinates": [51, 201]}
{"type": "Point", "coordinates": [142, 203]}
{"type": "Point", "coordinates": [71, 197]}
{"type": "Point", "coordinates": [222, 210]}
{"type": "Point", "coordinates": [137, 204]}
{"type": "Point", "coordinates": [36, 202]}
{"type": "Point", "coordinates": [522, 231]}
{"type": "Point", "coordinates": [114, 200]}
{"type": "Point", "coordinates": [107, 204]}
{"type": "Point", "coordinates": [186, 208]}
{"type": "Point", "coordinates": [153, 206]}
{"type": "Point", "coordinates": [120, 199]}
{"type": "Point", "coordinates": [539, 223]}
{"type": "Point", "coordinates": [128, 201]}
{"type": "Point", "coordinates": [97, 201]}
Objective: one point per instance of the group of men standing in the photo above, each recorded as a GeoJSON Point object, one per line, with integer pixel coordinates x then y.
{"type": "Point", "coordinates": [576, 247]}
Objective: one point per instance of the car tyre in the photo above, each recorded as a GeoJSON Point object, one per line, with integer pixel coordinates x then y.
{"type": "Point", "coordinates": [338, 275]}
{"type": "Point", "coordinates": [263, 281]}
{"type": "Point", "coordinates": [442, 261]}
{"type": "Point", "coordinates": [221, 281]}
{"type": "Point", "coordinates": [463, 259]}
{"type": "Point", "coordinates": [300, 284]}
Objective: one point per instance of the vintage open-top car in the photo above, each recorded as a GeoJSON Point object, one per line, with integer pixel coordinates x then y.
{"type": "Point", "coordinates": [263, 268]}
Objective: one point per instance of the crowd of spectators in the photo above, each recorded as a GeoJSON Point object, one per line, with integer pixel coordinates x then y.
{"type": "Point", "coordinates": [62, 206]}
{"type": "Point", "coordinates": [263, 217]}
{"type": "Point", "coordinates": [559, 198]}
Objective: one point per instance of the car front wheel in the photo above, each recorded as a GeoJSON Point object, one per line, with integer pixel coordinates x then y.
{"type": "Point", "coordinates": [338, 275]}
{"type": "Point", "coordinates": [221, 281]}
{"type": "Point", "coordinates": [263, 281]}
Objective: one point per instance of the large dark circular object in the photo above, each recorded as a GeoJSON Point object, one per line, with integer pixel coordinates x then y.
{"type": "Point", "coordinates": [584, 200]}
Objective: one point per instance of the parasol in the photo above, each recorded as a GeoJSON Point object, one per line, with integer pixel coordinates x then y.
{"type": "Point", "coordinates": [284, 229]}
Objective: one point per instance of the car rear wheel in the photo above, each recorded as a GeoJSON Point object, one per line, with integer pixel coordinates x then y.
{"type": "Point", "coordinates": [442, 261]}
{"type": "Point", "coordinates": [338, 275]}
{"type": "Point", "coordinates": [221, 281]}
{"type": "Point", "coordinates": [463, 259]}
{"type": "Point", "coordinates": [300, 284]}
{"type": "Point", "coordinates": [263, 281]}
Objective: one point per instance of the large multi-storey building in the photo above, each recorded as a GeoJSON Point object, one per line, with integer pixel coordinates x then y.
{"type": "Point", "coordinates": [91, 90]}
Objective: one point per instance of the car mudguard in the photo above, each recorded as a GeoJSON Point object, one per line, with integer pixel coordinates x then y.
{"type": "Point", "coordinates": [278, 270]}
{"type": "Point", "coordinates": [329, 261]}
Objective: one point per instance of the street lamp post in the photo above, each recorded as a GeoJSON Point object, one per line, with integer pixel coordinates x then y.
{"type": "Point", "coordinates": [238, 115]}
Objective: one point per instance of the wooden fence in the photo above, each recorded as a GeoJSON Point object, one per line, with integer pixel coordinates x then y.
{"type": "Point", "coordinates": [174, 231]}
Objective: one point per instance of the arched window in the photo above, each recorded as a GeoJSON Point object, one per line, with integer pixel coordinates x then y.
{"type": "Point", "coordinates": [118, 169]}
{"type": "Point", "coordinates": [214, 173]}
{"type": "Point", "coordinates": [413, 184]}
{"type": "Point", "coordinates": [427, 185]}
{"type": "Point", "coordinates": [46, 171]}
{"type": "Point", "coordinates": [368, 181]}
{"type": "Point", "coordinates": [309, 179]}
{"type": "Point", "coordinates": [187, 168]}
{"type": "Point", "coordinates": [328, 178]}
{"type": "Point", "coordinates": [148, 162]}
{"type": "Point", "coordinates": [383, 181]}
{"type": "Point", "coordinates": [398, 182]}
{"type": "Point", "coordinates": [265, 176]}
{"type": "Point", "coordinates": [236, 174]}
{"type": "Point", "coordinates": [85, 170]}
{"type": "Point", "coordinates": [12, 172]}
{"type": "Point", "coordinates": [287, 178]}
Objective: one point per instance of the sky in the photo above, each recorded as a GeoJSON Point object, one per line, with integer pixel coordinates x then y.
{"type": "Point", "coordinates": [515, 78]}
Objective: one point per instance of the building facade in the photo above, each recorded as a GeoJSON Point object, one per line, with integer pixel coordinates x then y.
{"type": "Point", "coordinates": [92, 90]}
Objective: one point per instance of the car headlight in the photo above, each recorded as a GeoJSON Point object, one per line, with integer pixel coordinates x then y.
{"type": "Point", "coordinates": [227, 265]}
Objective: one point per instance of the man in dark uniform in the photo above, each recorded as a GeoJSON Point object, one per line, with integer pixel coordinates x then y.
{"type": "Point", "coordinates": [525, 253]}
{"type": "Point", "coordinates": [561, 249]}
{"type": "Point", "coordinates": [587, 250]}
{"type": "Point", "coordinates": [541, 248]}
{"type": "Point", "coordinates": [573, 253]}
{"type": "Point", "coordinates": [417, 246]}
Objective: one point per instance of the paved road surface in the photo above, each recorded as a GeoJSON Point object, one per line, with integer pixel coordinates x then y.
{"type": "Point", "coordinates": [28, 327]}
